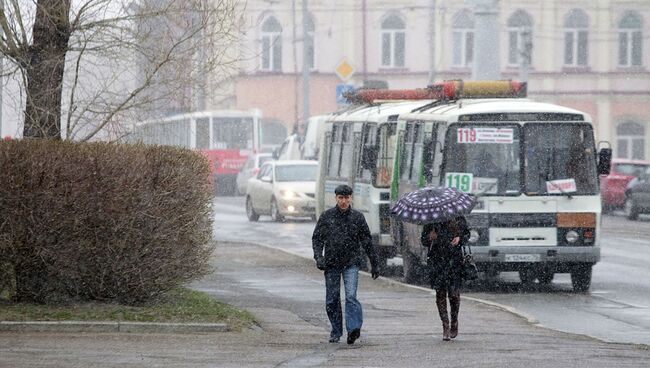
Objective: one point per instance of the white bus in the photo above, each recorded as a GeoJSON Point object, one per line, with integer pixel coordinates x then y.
{"type": "Point", "coordinates": [357, 149]}
{"type": "Point", "coordinates": [533, 166]}
{"type": "Point", "coordinates": [225, 137]}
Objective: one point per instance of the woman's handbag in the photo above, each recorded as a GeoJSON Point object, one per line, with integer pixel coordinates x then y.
{"type": "Point", "coordinates": [469, 271]}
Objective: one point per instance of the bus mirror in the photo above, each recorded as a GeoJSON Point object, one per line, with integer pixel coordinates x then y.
{"type": "Point", "coordinates": [266, 179]}
{"type": "Point", "coordinates": [275, 154]}
{"type": "Point", "coordinates": [604, 161]}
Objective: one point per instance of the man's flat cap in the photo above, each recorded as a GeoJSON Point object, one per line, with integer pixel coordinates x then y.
{"type": "Point", "coordinates": [343, 190]}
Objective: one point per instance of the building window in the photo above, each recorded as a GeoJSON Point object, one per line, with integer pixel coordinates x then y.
{"type": "Point", "coordinates": [630, 141]}
{"type": "Point", "coordinates": [271, 45]}
{"type": "Point", "coordinates": [630, 40]}
{"type": "Point", "coordinates": [576, 38]}
{"type": "Point", "coordinates": [392, 42]}
{"type": "Point", "coordinates": [520, 38]}
{"type": "Point", "coordinates": [463, 39]}
{"type": "Point", "coordinates": [311, 45]}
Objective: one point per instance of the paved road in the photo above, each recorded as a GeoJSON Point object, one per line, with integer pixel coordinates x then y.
{"type": "Point", "coordinates": [616, 309]}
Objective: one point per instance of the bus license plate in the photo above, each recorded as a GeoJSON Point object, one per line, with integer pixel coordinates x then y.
{"type": "Point", "coordinates": [522, 258]}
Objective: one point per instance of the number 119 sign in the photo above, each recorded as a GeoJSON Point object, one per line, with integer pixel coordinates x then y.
{"type": "Point", "coordinates": [460, 181]}
{"type": "Point", "coordinates": [485, 135]}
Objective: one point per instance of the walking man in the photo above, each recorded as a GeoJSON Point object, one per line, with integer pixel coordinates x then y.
{"type": "Point", "coordinates": [340, 237]}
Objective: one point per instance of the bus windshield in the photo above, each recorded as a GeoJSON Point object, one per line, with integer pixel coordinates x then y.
{"type": "Point", "coordinates": [560, 159]}
{"type": "Point", "coordinates": [483, 159]}
{"type": "Point", "coordinates": [232, 133]}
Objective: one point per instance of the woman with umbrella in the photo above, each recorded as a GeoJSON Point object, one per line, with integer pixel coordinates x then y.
{"type": "Point", "coordinates": [445, 259]}
{"type": "Point", "coordinates": [445, 232]}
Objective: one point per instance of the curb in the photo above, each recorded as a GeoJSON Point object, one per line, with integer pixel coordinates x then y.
{"type": "Point", "coordinates": [129, 327]}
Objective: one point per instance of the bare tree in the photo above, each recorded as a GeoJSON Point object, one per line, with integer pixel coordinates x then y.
{"type": "Point", "coordinates": [88, 65]}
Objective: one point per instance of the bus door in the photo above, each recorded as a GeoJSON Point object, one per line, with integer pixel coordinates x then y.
{"type": "Point", "coordinates": [366, 166]}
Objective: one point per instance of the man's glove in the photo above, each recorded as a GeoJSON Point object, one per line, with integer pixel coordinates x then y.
{"type": "Point", "coordinates": [375, 273]}
{"type": "Point", "coordinates": [320, 264]}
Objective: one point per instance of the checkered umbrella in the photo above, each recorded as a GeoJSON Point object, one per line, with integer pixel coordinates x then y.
{"type": "Point", "coordinates": [433, 204]}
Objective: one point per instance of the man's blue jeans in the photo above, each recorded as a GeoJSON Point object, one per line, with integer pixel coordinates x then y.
{"type": "Point", "coordinates": [353, 312]}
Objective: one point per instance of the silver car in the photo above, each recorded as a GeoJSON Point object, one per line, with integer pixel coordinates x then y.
{"type": "Point", "coordinates": [283, 188]}
{"type": "Point", "coordinates": [250, 169]}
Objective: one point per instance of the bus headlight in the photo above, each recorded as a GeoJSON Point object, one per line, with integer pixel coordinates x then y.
{"type": "Point", "coordinates": [571, 236]}
{"type": "Point", "coordinates": [473, 236]}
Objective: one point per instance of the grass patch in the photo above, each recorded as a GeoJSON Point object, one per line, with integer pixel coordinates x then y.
{"type": "Point", "coordinates": [179, 305]}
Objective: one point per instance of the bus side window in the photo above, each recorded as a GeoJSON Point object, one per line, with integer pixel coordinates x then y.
{"type": "Point", "coordinates": [407, 154]}
{"type": "Point", "coordinates": [368, 156]}
{"type": "Point", "coordinates": [335, 152]}
{"type": "Point", "coordinates": [347, 151]}
{"type": "Point", "coordinates": [417, 153]}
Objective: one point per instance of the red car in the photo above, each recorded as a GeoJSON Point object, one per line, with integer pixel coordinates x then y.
{"type": "Point", "coordinates": [612, 186]}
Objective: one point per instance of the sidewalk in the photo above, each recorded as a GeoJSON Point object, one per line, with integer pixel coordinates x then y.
{"type": "Point", "coordinates": [286, 293]}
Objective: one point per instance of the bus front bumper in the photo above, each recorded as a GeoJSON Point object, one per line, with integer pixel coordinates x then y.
{"type": "Point", "coordinates": [559, 258]}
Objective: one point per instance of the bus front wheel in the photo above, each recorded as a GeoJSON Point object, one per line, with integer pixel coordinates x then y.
{"type": "Point", "coordinates": [581, 277]}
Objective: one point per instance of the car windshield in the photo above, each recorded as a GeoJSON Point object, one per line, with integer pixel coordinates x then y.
{"type": "Point", "coordinates": [559, 159]}
{"type": "Point", "coordinates": [296, 172]}
{"type": "Point", "coordinates": [483, 159]}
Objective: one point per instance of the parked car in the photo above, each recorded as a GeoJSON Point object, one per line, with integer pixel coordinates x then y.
{"type": "Point", "coordinates": [250, 169]}
{"type": "Point", "coordinates": [283, 188]}
{"type": "Point", "coordinates": [614, 185]}
{"type": "Point", "coordinates": [637, 196]}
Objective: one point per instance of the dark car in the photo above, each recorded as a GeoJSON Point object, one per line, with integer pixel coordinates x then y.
{"type": "Point", "coordinates": [637, 196]}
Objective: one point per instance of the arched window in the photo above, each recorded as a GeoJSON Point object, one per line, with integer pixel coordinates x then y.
{"type": "Point", "coordinates": [630, 40]}
{"type": "Point", "coordinates": [393, 39]}
{"type": "Point", "coordinates": [463, 39]}
{"type": "Point", "coordinates": [520, 38]}
{"type": "Point", "coordinates": [271, 45]}
{"type": "Point", "coordinates": [311, 45]}
{"type": "Point", "coordinates": [630, 141]}
{"type": "Point", "coordinates": [576, 34]}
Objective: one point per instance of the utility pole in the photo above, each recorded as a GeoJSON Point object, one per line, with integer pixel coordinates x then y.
{"type": "Point", "coordinates": [432, 42]}
{"type": "Point", "coordinates": [525, 53]}
{"type": "Point", "coordinates": [486, 65]}
{"type": "Point", "coordinates": [306, 46]}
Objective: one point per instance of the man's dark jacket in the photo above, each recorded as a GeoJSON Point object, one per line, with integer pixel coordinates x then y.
{"type": "Point", "coordinates": [343, 235]}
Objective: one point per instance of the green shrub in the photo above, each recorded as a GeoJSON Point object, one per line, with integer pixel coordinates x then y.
{"type": "Point", "coordinates": [99, 221]}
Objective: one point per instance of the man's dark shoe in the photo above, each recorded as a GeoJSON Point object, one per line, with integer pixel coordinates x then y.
{"type": "Point", "coordinates": [353, 336]}
{"type": "Point", "coordinates": [334, 339]}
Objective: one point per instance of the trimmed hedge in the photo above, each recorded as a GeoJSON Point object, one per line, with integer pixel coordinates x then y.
{"type": "Point", "coordinates": [102, 221]}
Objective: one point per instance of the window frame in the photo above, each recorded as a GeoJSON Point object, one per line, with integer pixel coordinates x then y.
{"type": "Point", "coordinates": [576, 39]}
{"type": "Point", "coordinates": [272, 52]}
{"type": "Point", "coordinates": [392, 33]}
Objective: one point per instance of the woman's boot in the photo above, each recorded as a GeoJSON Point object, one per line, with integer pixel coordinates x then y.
{"type": "Point", "coordinates": [441, 302]}
{"type": "Point", "coordinates": [454, 303]}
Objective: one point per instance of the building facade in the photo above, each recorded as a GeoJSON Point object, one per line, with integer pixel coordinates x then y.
{"type": "Point", "coordinates": [591, 55]}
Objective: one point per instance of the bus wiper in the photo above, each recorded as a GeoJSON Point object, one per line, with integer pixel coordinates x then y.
{"type": "Point", "coordinates": [551, 162]}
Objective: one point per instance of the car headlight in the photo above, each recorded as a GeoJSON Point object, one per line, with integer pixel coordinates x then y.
{"type": "Point", "coordinates": [473, 236]}
{"type": "Point", "coordinates": [288, 194]}
{"type": "Point", "coordinates": [571, 236]}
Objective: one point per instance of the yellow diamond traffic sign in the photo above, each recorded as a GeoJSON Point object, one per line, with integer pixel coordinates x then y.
{"type": "Point", "coordinates": [344, 70]}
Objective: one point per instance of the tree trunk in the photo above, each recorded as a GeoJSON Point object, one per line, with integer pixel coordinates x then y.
{"type": "Point", "coordinates": [44, 69]}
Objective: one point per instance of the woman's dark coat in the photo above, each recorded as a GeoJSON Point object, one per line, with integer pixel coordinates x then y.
{"type": "Point", "coordinates": [445, 260]}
